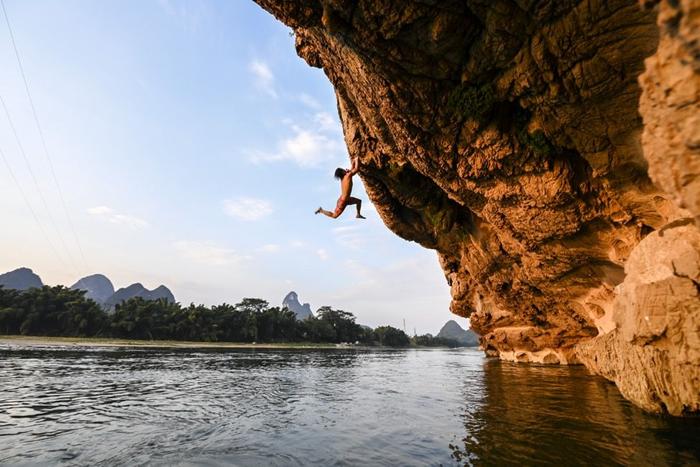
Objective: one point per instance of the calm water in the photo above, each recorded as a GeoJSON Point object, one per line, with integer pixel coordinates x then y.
{"type": "Point", "coordinates": [294, 407]}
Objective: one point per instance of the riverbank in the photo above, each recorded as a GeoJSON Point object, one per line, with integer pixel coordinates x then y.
{"type": "Point", "coordinates": [167, 344]}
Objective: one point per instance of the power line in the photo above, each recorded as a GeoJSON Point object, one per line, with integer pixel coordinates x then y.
{"type": "Point", "coordinates": [29, 206]}
{"type": "Point", "coordinates": [41, 134]}
{"type": "Point", "coordinates": [34, 179]}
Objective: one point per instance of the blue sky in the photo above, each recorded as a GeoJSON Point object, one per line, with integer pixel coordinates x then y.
{"type": "Point", "coordinates": [191, 146]}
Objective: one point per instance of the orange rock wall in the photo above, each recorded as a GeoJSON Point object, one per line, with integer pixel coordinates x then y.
{"type": "Point", "coordinates": [507, 136]}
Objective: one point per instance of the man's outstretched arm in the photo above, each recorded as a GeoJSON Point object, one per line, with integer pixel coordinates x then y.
{"type": "Point", "coordinates": [355, 166]}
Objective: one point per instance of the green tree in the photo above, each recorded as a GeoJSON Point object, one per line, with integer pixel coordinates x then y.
{"type": "Point", "coordinates": [392, 337]}
{"type": "Point", "coordinates": [58, 311]}
{"type": "Point", "coordinates": [428, 340]}
{"type": "Point", "coordinates": [343, 323]}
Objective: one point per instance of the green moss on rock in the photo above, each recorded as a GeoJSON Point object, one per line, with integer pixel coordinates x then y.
{"type": "Point", "coordinates": [536, 141]}
{"type": "Point", "coordinates": [472, 101]}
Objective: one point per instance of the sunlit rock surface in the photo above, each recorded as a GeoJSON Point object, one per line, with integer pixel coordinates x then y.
{"type": "Point", "coordinates": [507, 136]}
{"type": "Point", "coordinates": [670, 104]}
{"type": "Point", "coordinates": [654, 350]}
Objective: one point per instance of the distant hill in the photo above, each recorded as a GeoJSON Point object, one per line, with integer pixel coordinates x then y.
{"type": "Point", "coordinates": [291, 301]}
{"type": "Point", "coordinates": [452, 330]}
{"type": "Point", "coordinates": [138, 290]}
{"type": "Point", "coordinates": [97, 287]}
{"type": "Point", "coordinates": [20, 279]}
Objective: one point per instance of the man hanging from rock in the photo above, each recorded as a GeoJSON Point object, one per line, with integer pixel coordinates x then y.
{"type": "Point", "coordinates": [345, 177]}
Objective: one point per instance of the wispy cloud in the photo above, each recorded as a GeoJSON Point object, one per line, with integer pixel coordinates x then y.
{"type": "Point", "coordinates": [207, 253]}
{"type": "Point", "coordinates": [318, 141]}
{"type": "Point", "coordinates": [327, 123]}
{"type": "Point", "coordinates": [415, 283]}
{"type": "Point", "coordinates": [270, 248]}
{"type": "Point", "coordinates": [322, 254]}
{"type": "Point", "coordinates": [248, 209]}
{"type": "Point", "coordinates": [350, 236]}
{"type": "Point", "coordinates": [108, 214]}
{"type": "Point", "coordinates": [100, 211]}
{"type": "Point", "coordinates": [264, 78]}
{"type": "Point", "coordinates": [309, 101]}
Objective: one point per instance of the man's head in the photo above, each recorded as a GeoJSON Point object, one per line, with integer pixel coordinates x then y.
{"type": "Point", "coordinates": [340, 173]}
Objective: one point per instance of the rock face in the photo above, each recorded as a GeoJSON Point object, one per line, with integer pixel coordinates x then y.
{"type": "Point", "coordinates": [516, 138]}
{"type": "Point", "coordinates": [452, 330]}
{"type": "Point", "coordinates": [670, 105]}
{"type": "Point", "coordinates": [20, 279]}
{"type": "Point", "coordinates": [291, 301]}
{"type": "Point", "coordinates": [654, 349]}
{"type": "Point", "coordinates": [138, 290]}
{"type": "Point", "coordinates": [97, 287]}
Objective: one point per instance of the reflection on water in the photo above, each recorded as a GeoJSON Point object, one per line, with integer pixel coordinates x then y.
{"type": "Point", "coordinates": [558, 415]}
{"type": "Point", "coordinates": [320, 407]}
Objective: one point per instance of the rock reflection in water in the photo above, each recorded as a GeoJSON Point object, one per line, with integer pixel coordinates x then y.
{"type": "Point", "coordinates": [557, 415]}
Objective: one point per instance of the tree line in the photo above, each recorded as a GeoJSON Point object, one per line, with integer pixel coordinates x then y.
{"type": "Point", "coordinates": [59, 311]}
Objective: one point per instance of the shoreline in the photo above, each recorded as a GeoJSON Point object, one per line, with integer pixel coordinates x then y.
{"type": "Point", "coordinates": [106, 342]}
{"type": "Point", "coordinates": [92, 342]}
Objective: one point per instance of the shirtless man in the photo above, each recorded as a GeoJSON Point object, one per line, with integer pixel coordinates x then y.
{"type": "Point", "coordinates": [345, 177]}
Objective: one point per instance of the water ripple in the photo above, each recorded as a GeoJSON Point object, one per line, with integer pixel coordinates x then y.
{"type": "Point", "coordinates": [317, 407]}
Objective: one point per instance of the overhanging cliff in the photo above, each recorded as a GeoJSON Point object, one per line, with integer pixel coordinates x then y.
{"type": "Point", "coordinates": [507, 136]}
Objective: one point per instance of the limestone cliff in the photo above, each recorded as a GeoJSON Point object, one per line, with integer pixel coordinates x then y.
{"type": "Point", "coordinates": [97, 287]}
{"type": "Point", "coordinates": [291, 302]}
{"type": "Point", "coordinates": [507, 136]}
{"type": "Point", "coordinates": [20, 279]}
{"type": "Point", "coordinates": [138, 290]}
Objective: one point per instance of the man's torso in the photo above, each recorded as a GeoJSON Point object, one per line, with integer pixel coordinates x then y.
{"type": "Point", "coordinates": [346, 186]}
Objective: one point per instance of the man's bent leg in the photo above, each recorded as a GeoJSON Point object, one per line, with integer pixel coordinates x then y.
{"type": "Point", "coordinates": [340, 206]}
{"type": "Point", "coordinates": [358, 205]}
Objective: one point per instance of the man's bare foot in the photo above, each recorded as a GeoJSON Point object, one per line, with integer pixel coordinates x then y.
{"type": "Point", "coordinates": [318, 210]}
{"type": "Point", "coordinates": [360, 216]}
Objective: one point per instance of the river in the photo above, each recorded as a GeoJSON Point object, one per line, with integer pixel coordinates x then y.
{"type": "Point", "coordinates": [62, 405]}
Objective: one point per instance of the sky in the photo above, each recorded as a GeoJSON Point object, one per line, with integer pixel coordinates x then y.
{"type": "Point", "coordinates": [187, 144]}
